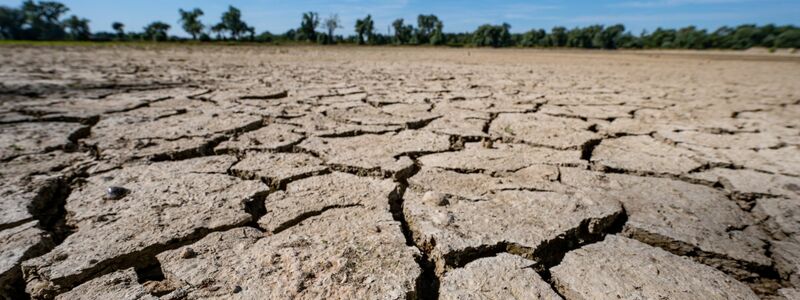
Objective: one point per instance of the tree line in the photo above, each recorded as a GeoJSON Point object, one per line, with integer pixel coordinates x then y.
{"type": "Point", "coordinates": [46, 20]}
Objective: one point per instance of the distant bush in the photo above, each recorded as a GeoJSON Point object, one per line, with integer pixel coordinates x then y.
{"type": "Point", "coordinates": [788, 39]}
{"type": "Point", "coordinates": [492, 36]}
{"type": "Point", "coordinates": [43, 20]}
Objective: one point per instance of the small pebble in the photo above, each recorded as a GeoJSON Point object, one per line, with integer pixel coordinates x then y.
{"type": "Point", "coordinates": [115, 193]}
{"type": "Point", "coordinates": [438, 199]}
{"type": "Point", "coordinates": [188, 253]}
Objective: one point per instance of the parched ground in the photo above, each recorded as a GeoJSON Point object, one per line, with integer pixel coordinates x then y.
{"type": "Point", "coordinates": [389, 173]}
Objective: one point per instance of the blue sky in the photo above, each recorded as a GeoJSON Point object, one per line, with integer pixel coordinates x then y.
{"type": "Point", "coordinates": [458, 16]}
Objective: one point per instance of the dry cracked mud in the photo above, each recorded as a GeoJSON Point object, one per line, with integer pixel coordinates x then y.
{"type": "Point", "coordinates": [211, 172]}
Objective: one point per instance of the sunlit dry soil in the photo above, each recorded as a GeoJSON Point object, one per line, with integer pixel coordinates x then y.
{"type": "Point", "coordinates": [389, 173]}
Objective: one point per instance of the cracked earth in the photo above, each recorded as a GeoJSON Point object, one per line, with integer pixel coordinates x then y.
{"type": "Point", "coordinates": [397, 173]}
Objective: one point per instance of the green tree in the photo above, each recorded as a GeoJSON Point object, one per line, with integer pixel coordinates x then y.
{"type": "Point", "coordinates": [691, 38]}
{"type": "Point", "coordinates": [219, 31]}
{"type": "Point", "coordinates": [290, 34]}
{"type": "Point", "coordinates": [426, 24]}
{"type": "Point", "coordinates": [660, 38]}
{"type": "Point", "coordinates": [788, 39]}
{"type": "Point", "coordinates": [11, 21]}
{"type": "Point", "coordinates": [251, 33]}
{"type": "Point", "coordinates": [156, 31]}
{"type": "Point", "coordinates": [534, 38]}
{"type": "Point", "coordinates": [459, 39]}
{"type": "Point", "coordinates": [594, 35]}
{"type": "Point", "coordinates": [191, 23]}
{"type": "Point", "coordinates": [78, 28]}
{"type": "Point", "coordinates": [437, 36]}
{"type": "Point", "coordinates": [628, 40]}
{"type": "Point", "coordinates": [364, 29]}
{"type": "Point", "coordinates": [266, 37]}
{"type": "Point", "coordinates": [608, 38]}
{"type": "Point", "coordinates": [488, 35]}
{"type": "Point", "coordinates": [743, 36]}
{"type": "Point", "coordinates": [233, 24]}
{"type": "Point", "coordinates": [769, 33]}
{"type": "Point", "coordinates": [332, 23]}
{"type": "Point", "coordinates": [722, 38]}
{"type": "Point", "coordinates": [579, 38]}
{"type": "Point", "coordinates": [42, 20]}
{"type": "Point", "coordinates": [119, 28]}
{"type": "Point", "coordinates": [402, 33]}
{"type": "Point", "coordinates": [558, 36]}
{"type": "Point", "coordinates": [308, 27]}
